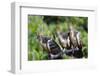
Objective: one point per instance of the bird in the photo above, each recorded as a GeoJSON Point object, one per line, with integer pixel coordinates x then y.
{"type": "Point", "coordinates": [50, 46]}
{"type": "Point", "coordinates": [43, 41]}
{"type": "Point", "coordinates": [79, 41]}
{"type": "Point", "coordinates": [55, 52]}
{"type": "Point", "coordinates": [75, 38]}
{"type": "Point", "coordinates": [64, 40]}
{"type": "Point", "coordinates": [76, 43]}
{"type": "Point", "coordinates": [78, 52]}
{"type": "Point", "coordinates": [72, 36]}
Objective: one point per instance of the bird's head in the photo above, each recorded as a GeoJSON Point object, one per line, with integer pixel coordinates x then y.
{"type": "Point", "coordinates": [71, 28]}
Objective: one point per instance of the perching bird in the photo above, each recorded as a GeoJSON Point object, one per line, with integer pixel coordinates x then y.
{"type": "Point", "coordinates": [64, 39]}
{"type": "Point", "coordinates": [55, 51]}
{"type": "Point", "coordinates": [52, 48]}
{"type": "Point", "coordinates": [76, 43]}
{"type": "Point", "coordinates": [75, 38]}
{"type": "Point", "coordinates": [79, 41]}
{"type": "Point", "coordinates": [72, 36]}
{"type": "Point", "coordinates": [43, 41]}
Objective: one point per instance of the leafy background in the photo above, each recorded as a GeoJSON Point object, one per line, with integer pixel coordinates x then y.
{"type": "Point", "coordinates": [47, 25]}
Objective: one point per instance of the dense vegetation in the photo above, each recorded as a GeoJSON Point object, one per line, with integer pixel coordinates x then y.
{"type": "Point", "coordinates": [47, 25]}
